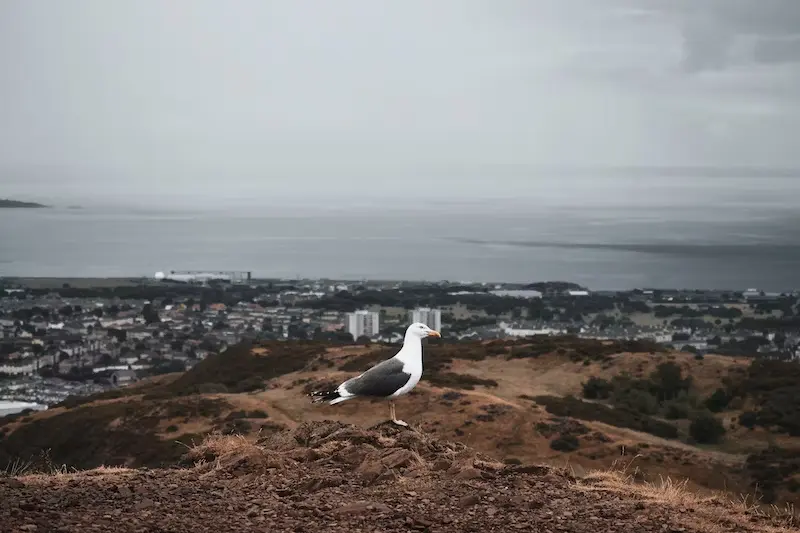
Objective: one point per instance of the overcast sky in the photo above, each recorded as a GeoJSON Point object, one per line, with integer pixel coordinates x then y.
{"type": "Point", "coordinates": [202, 99]}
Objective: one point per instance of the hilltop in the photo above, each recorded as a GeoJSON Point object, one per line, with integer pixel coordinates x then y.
{"type": "Point", "coordinates": [719, 423]}
{"type": "Point", "coordinates": [5, 202]}
{"type": "Point", "coordinates": [328, 476]}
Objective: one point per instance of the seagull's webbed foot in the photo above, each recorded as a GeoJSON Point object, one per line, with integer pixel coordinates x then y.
{"type": "Point", "coordinates": [393, 416]}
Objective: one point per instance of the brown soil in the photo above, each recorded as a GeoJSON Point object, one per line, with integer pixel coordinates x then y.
{"type": "Point", "coordinates": [327, 476]}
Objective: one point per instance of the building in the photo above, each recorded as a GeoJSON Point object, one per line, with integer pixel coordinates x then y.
{"type": "Point", "coordinates": [577, 293]}
{"type": "Point", "coordinates": [363, 323]}
{"type": "Point", "coordinates": [120, 378]}
{"type": "Point", "coordinates": [430, 317]}
{"type": "Point", "coordinates": [517, 293]}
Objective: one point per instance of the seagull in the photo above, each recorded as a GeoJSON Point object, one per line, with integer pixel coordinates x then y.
{"type": "Point", "coordinates": [388, 379]}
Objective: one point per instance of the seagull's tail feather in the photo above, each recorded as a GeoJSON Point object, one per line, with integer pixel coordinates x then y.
{"type": "Point", "coordinates": [325, 396]}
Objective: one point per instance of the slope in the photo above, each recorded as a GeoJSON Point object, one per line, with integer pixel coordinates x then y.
{"type": "Point", "coordinates": [333, 477]}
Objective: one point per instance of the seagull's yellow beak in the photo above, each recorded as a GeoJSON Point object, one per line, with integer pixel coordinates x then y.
{"type": "Point", "coordinates": [433, 333]}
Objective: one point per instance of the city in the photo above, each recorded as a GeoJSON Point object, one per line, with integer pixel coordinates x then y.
{"type": "Point", "coordinates": [67, 340]}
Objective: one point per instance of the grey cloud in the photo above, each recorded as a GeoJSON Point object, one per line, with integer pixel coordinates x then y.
{"type": "Point", "coordinates": [190, 101]}
{"type": "Point", "coordinates": [723, 33]}
{"type": "Point", "coordinates": [778, 50]}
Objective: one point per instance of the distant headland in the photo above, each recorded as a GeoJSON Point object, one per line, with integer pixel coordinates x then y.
{"type": "Point", "coordinates": [5, 202]}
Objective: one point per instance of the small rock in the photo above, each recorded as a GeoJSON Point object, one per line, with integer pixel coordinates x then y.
{"type": "Point", "coordinates": [398, 458]}
{"type": "Point", "coordinates": [14, 484]}
{"type": "Point", "coordinates": [144, 504]}
{"type": "Point", "coordinates": [29, 527]}
{"type": "Point", "coordinates": [253, 511]}
{"type": "Point", "coordinates": [370, 470]}
{"type": "Point", "coordinates": [469, 500]}
{"type": "Point", "coordinates": [469, 473]}
{"type": "Point", "coordinates": [422, 523]}
{"type": "Point", "coordinates": [354, 508]}
{"type": "Point", "coordinates": [124, 491]}
{"type": "Point", "coordinates": [441, 464]}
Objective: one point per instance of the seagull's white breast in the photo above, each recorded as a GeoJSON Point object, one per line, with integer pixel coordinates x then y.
{"type": "Point", "coordinates": [411, 356]}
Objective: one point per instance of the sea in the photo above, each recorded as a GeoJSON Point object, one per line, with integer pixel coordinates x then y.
{"type": "Point", "coordinates": [8, 407]}
{"type": "Point", "coordinates": [689, 239]}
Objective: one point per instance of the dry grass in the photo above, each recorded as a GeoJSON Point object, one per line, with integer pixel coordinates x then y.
{"type": "Point", "coordinates": [17, 467]}
{"type": "Point", "coordinates": [714, 507]}
{"type": "Point", "coordinates": [233, 454]}
{"type": "Point", "coordinates": [44, 464]}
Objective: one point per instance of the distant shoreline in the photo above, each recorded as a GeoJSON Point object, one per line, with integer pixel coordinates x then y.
{"type": "Point", "coordinates": [17, 204]}
{"type": "Point", "coordinates": [79, 282]}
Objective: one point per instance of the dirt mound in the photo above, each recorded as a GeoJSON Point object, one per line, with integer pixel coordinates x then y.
{"type": "Point", "coordinates": [383, 453]}
{"type": "Point", "coordinates": [333, 477]}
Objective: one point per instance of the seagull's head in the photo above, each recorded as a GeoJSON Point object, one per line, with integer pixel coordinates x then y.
{"type": "Point", "coordinates": [418, 329]}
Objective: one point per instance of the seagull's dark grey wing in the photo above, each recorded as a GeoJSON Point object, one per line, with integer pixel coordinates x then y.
{"type": "Point", "coordinates": [381, 380]}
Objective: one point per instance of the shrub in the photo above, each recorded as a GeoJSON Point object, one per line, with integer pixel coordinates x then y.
{"type": "Point", "coordinates": [718, 401]}
{"type": "Point", "coordinates": [240, 370]}
{"type": "Point", "coordinates": [706, 428]}
{"type": "Point", "coordinates": [597, 389]}
{"type": "Point", "coordinates": [774, 387]}
{"type": "Point", "coordinates": [253, 383]}
{"type": "Point", "coordinates": [620, 417]}
{"type": "Point", "coordinates": [771, 468]}
{"type": "Point", "coordinates": [637, 400]}
{"type": "Point", "coordinates": [212, 388]}
{"type": "Point", "coordinates": [565, 443]}
{"type": "Point", "coordinates": [748, 419]}
{"type": "Point", "coordinates": [457, 381]}
{"type": "Point", "coordinates": [676, 410]}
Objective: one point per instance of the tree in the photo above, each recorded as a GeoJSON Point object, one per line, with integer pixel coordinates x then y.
{"type": "Point", "coordinates": [668, 379]}
{"type": "Point", "coordinates": [705, 428]}
{"type": "Point", "coordinates": [149, 314]}
{"type": "Point", "coordinates": [120, 334]}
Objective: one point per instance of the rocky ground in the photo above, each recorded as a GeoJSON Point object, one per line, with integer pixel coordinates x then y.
{"type": "Point", "coordinates": [328, 476]}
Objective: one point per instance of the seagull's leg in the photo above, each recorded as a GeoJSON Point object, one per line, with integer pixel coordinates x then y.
{"type": "Point", "coordinates": [394, 416]}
